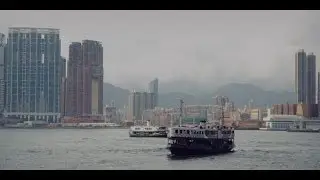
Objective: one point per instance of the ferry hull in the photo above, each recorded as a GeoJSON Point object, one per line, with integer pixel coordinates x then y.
{"type": "Point", "coordinates": [304, 130]}
{"type": "Point", "coordinates": [158, 135]}
{"type": "Point", "coordinates": [201, 148]}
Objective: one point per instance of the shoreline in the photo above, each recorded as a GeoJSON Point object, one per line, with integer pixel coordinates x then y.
{"type": "Point", "coordinates": [63, 128]}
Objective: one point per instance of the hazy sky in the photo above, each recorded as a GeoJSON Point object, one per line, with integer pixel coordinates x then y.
{"type": "Point", "coordinates": [194, 45]}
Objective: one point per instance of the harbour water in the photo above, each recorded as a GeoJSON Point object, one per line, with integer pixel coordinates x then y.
{"type": "Point", "coordinates": [82, 149]}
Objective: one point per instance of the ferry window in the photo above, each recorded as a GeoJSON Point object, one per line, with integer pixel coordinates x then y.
{"type": "Point", "coordinates": [188, 131]}
{"type": "Point", "coordinates": [176, 131]}
{"type": "Point", "coordinates": [180, 131]}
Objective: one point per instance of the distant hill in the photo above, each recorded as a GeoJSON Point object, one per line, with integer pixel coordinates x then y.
{"type": "Point", "coordinates": [171, 99]}
{"type": "Point", "coordinates": [240, 93]}
{"type": "Point", "coordinates": [119, 95]}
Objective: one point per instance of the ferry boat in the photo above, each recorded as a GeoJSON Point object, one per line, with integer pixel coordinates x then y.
{"type": "Point", "coordinates": [202, 139]}
{"type": "Point", "coordinates": [296, 128]}
{"type": "Point", "coordinates": [147, 131]}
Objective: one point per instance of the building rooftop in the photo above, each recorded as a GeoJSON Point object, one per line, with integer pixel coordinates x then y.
{"type": "Point", "coordinates": [91, 41]}
{"type": "Point", "coordinates": [33, 29]}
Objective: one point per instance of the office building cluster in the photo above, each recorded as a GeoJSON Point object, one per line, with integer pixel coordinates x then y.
{"type": "Point", "coordinates": [142, 101]}
{"type": "Point", "coordinates": [34, 82]}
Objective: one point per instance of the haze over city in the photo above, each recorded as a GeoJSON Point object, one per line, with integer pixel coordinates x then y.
{"type": "Point", "coordinates": [200, 46]}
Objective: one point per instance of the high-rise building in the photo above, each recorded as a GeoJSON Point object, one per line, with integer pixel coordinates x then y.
{"type": "Point", "coordinates": [63, 67]}
{"type": "Point", "coordinates": [300, 76]}
{"type": "Point", "coordinates": [311, 79]}
{"type": "Point", "coordinates": [85, 79]}
{"type": "Point", "coordinates": [74, 80]}
{"type": "Point", "coordinates": [33, 76]}
{"type": "Point", "coordinates": [153, 88]}
{"type": "Point", "coordinates": [63, 87]}
{"type": "Point", "coordinates": [138, 103]}
{"type": "Point", "coordinates": [305, 77]}
{"type": "Point", "coordinates": [318, 95]}
{"type": "Point", "coordinates": [2, 72]}
{"type": "Point", "coordinates": [93, 63]}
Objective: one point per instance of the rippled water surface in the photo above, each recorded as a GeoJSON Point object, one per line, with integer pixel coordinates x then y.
{"type": "Point", "coordinates": [113, 149]}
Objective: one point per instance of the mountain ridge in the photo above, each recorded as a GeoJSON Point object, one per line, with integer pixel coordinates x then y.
{"type": "Point", "coordinates": [239, 93]}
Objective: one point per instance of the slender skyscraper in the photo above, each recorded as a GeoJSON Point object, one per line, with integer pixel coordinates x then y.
{"type": "Point", "coordinates": [301, 76]}
{"type": "Point", "coordinates": [63, 67]}
{"type": "Point", "coordinates": [63, 87]}
{"type": "Point", "coordinates": [153, 88]}
{"type": "Point", "coordinates": [2, 72]}
{"type": "Point", "coordinates": [33, 75]}
{"type": "Point", "coordinates": [311, 79]}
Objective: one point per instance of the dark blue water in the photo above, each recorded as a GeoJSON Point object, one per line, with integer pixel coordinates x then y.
{"type": "Point", "coordinates": [113, 149]}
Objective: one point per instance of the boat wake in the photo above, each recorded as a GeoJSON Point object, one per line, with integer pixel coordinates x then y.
{"type": "Point", "coordinates": [184, 157]}
{"type": "Point", "coordinates": [135, 151]}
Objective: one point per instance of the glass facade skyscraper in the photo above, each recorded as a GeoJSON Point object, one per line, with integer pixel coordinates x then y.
{"type": "Point", "coordinates": [305, 77]}
{"type": "Point", "coordinates": [154, 88]}
{"type": "Point", "coordinates": [2, 72]}
{"type": "Point", "coordinates": [33, 73]}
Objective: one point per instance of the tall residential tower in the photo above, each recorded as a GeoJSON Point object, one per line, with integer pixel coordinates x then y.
{"type": "Point", "coordinates": [85, 79]}
{"type": "Point", "coordinates": [93, 63]}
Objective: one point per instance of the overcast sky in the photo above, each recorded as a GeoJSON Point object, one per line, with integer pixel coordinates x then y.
{"type": "Point", "coordinates": [193, 45]}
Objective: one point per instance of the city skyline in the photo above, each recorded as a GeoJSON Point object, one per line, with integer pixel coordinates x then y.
{"type": "Point", "coordinates": [132, 41]}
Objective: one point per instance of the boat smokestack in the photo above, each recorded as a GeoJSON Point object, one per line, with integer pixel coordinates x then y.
{"type": "Point", "coordinates": [148, 123]}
